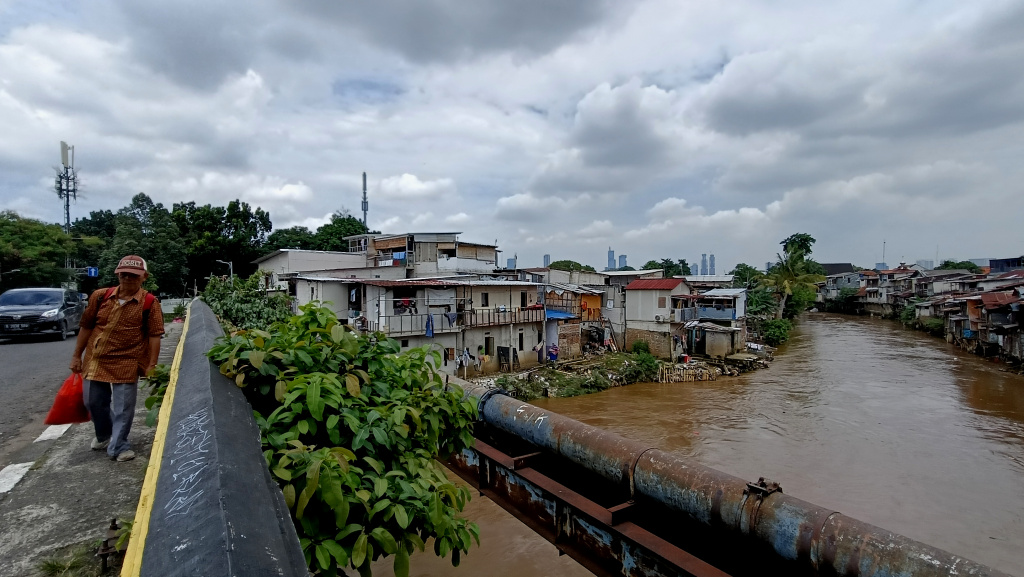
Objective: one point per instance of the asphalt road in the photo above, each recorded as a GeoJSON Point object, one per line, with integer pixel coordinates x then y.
{"type": "Point", "coordinates": [31, 372]}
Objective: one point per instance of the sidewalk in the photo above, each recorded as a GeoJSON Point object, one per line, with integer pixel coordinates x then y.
{"type": "Point", "coordinates": [70, 492]}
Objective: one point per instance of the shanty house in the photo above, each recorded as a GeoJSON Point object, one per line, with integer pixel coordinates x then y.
{"type": "Point", "coordinates": [649, 313]}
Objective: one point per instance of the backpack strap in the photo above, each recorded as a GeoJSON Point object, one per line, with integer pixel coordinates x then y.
{"type": "Point", "coordinates": [147, 304]}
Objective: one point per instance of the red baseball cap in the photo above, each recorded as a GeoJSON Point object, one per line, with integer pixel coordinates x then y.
{"type": "Point", "coordinates": [132, 264]}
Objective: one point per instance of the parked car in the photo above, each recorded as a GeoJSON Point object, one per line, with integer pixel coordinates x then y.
{"type": "Point", "coordinates": [36, 311]}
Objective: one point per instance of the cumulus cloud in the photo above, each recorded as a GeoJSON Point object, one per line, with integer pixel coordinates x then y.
{"type": "Point", "coordinates": [409, 187]}
{"type": "Point", "coordinates": [649, 125]}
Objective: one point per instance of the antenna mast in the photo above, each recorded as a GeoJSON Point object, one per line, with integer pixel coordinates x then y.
{"type": "Point", "coordinates": [66, 187]}
{"type": "Point", "coordinates": [66, 183]}
{"type": "Point", "coordinates": [366, 204]}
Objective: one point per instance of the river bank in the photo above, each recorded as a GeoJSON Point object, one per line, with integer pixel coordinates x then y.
{"type": "Point", "coordinates": [599, 372]}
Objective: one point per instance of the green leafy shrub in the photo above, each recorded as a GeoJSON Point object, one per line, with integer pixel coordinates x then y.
{"type": "Point", "coordinates": [641, 347]}
{"type": "Point", "coordinates": [180, 310]}
{"type": "Point", "coordinates": [159, 380]}
{"type": "Point", "coordinates": [643, 368]}
{"type": "Point", "coordinates": [351, 429]}
{"type": "Point", "coordinates": [245, 303]}
{"type": "Point", "coordinates": [776, 331]}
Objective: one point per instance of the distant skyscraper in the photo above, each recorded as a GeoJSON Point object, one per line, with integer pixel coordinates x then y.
{"type": "Point", "coordinates": [926, 263]}
{"type": "Point", "coordinates": [704, 264]}
{"type": "Point", "coordinates": [547, 260]}
{"type": "Point", "coordinates": [611, 259]}
{"type": "Point", "coordinates": [767, 265]}
{"type": "Point", "coordinates": [622, 261]}
{"type": "Point", "coordinates": [711, 264]}
{"type": "Point", "coordinates": [881, 266]}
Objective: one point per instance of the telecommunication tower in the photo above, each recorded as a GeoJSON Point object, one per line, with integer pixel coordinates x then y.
{"type": "Point", "coordinates": [66, 182]}
{"type": "Point", "coordinates": [366, 203]}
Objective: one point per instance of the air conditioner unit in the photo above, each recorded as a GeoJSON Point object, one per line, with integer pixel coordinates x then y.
{"type": "Point", "coordinates": [659, 318]}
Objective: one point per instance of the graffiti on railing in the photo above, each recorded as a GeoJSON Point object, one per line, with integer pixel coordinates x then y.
{"type": "Point", "coordinates": [190, 456]}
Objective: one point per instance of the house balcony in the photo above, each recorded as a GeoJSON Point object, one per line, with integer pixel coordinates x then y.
{"type": "Point", "coordinates": [723, 314]}
{"type": "Point", "coordinates": [455, 264]}
{"type": "Point", "coordinates": [501, 316]}
{"type": "Point", "coordinates": [588, 314]}
{"type": "Point", "coordinates": [406, 325]}
{"type": "Point", "coordinates": [683, 315]}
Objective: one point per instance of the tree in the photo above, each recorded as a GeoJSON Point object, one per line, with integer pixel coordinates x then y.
{"type": "Point", "coordinates": [571, 266]}
{"type": "Point", "coordinates": [800, 242]}
{"type": "Point", "coordinates": [331, 236]}
{"type": "Point", "coordinates": [959, 265]}
{"type": "Point", "coordinates": [745, 276]}
{"type": "Point", "coordinates": [147, 229]}
{"type": "Point", "coordinates": [787, 275]}
{"type": "Point", "coordinates": [626, 268]}
{"type": "Point", "coordinates": [669, 267]}
{"type": "Point", "coordinates": [35, 249]}
{"type": "Point", "coordinates": [296, 237]}
{"type": "Point", "coordinates": [812, 266]}
{"type": "Point", "coordinates": [236, 233]}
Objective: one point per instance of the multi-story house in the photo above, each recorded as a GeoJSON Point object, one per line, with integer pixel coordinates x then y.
{"type": "Point", "coordinates": [497, 322]}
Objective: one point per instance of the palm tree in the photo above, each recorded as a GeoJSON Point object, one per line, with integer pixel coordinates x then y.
{"type": "Point", "coordinates": [787, 274]}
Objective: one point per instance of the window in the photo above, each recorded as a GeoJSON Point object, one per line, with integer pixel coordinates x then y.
{"type": "Point", "coordinates": [522, 303]}
{"type": "Point", "coordinates": [485, 300]}
{"type": "Point", "coordinates": [661, 302]}
{"type": "Point", "coordinates": [405, 343]}
{"type": "Point", "coordinates": [520, 340]}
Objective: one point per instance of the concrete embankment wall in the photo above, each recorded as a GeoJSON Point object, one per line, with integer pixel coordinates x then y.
{"type": "Point", "coordinates": [209, 505]}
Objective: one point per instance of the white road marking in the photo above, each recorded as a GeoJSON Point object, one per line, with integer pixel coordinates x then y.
{"type": "Point", "coordinates": [53, 432]}
{"type": "Point", "coordinates": [11, 474]}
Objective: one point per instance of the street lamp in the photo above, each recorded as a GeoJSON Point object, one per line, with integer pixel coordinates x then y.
{"type": "Point", "coordinates": [8, 272]}
{"type": "Point", "coordinates": [231, 268]}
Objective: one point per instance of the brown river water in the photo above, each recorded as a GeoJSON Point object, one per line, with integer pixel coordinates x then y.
{"type": "Point", "coordinates": [884, 424]}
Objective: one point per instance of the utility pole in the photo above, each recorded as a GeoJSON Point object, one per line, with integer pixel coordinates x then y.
{"type": "Point", "coordinates": [366, 204]}
{"type": "Point", "coordinates": [66, 186]}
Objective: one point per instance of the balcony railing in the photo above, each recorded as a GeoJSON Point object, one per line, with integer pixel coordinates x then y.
{"type": "Point", "coordinates": [684, 314]}
{"type": "Point", "coordinates": [416, 324]}
{"type": "Point", "coordinates": [720, 314]}
{"type": "Point", "coordinates": [498, 316]}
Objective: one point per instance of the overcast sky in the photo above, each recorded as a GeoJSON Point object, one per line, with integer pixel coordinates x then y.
{"type": "Point", "coordinates": [659, 128]}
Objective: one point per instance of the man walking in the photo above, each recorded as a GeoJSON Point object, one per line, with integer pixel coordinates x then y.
{"type": "Point", "coordinates": [120, 336]}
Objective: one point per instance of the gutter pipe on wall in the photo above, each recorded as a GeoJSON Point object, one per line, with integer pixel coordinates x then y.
{"type": "Point", "coordinates": [818, 539]}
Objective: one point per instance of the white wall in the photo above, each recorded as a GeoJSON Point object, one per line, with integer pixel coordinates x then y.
{"type": "Point", "coordinates": [642, 305]}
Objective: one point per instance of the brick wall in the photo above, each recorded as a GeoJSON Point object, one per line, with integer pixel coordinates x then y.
{"type": "Point", "coordinates": [659, 342]}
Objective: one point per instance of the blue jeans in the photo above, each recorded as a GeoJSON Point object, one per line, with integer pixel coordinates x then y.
{"type": "Point", "coordinates": [112, 406]}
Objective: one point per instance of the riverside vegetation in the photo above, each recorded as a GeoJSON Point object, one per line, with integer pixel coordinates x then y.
{"type": "Point", "coordinates": [351, 428]}
{"type": "Point", "coordinates": [614, 369]}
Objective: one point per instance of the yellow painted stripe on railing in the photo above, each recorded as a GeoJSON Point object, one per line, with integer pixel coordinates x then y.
{"type": "Point", "coordinates": [132, 566]}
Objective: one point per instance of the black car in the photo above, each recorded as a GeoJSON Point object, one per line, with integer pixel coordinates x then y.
{"type": "Point", "coordinates": [37, 311]}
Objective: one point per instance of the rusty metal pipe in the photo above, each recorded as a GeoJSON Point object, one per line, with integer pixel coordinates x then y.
{"type": "Point", "coordinates": [797, 530]}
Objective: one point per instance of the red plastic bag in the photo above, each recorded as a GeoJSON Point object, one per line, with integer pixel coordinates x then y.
{"type": "Point", "coordinates": [68, 407]}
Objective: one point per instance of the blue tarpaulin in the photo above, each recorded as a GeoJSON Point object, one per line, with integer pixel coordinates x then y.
{"type": "Point", "coordinates": [549, 314]}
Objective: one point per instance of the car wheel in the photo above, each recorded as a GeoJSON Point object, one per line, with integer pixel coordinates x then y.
{"type": "Point", "coordinates": [63, 335]}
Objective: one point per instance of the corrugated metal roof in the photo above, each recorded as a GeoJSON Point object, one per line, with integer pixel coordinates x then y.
{"type": "Point", "coordinates": [661, 284]}
{"type": "Point", "coordinates": [1012, 275]}
{"type": "Point", "coordinates": [998, 300]}
{"type": "Point", "coordinates": [708, 277]}
{"type": "Point", "coordinates": [724, 292]}
{"type": "Point", "coordinates": [643, 272]}
{"type": "Point", "coordinates": [571, 288]}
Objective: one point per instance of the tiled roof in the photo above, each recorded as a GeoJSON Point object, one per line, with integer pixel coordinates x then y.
{"type": "Point", "coordinates": [661, 284]}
